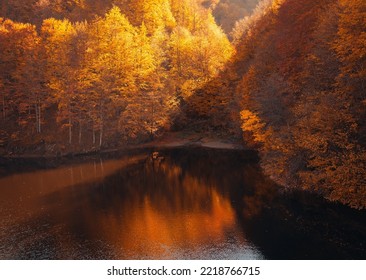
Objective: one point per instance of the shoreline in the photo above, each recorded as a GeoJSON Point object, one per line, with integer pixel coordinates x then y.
{"type": "Point", "coordinates": [165, 142]}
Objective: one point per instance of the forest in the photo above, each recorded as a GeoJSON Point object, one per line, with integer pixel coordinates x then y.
{"type": "Point", "coordinates": [286, 76]}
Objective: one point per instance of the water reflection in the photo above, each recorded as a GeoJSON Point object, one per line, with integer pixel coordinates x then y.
{"type": "Point", "coordinates": [21, 193]}
{"type": "Point", "coordinates": [174, 215]}
{"type": "Point", "coordinates": [160, 209]}
{"type": "Point", "coordinates": [178, 204]}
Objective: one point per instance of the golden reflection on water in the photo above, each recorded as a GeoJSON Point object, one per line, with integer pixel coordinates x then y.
{"type": "Point", "coordinates": [154, 229]}
{"type": "Point", "coordinates": [176, 213]}
{"type": "Point", "coordinates": [22, 193]}
{"type": "Point", "coordinates": [135, 207]}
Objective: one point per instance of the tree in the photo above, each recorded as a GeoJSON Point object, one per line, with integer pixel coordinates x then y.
{"type": "Point", "coordinates": [21, 77]}
{"type": "Point", "coordinates": [30, 77]}
{"type": "Point", "coordinates": [153, 14]}
{"type": "Point", "coordinates": [111, 66]}
{"type": "Point", "coordinates": [61, 71]}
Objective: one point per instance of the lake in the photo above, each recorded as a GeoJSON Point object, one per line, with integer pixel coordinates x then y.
{"type": "Point", "coordinates": [181, 203]}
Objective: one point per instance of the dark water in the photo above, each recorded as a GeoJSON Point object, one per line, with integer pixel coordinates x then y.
{"type": "Point", "coordinates": [184, 204]}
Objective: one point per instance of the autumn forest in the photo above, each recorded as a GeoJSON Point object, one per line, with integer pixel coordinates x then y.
{"type": "Point", "coordinates": [286, 77]}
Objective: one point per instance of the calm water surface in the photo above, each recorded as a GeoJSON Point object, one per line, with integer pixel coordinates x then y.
{"type": "Point", "coordinates": [180, 204]}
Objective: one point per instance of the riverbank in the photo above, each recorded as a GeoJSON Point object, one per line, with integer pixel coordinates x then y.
{"type": "Point", "coordinates": [178, 139]}
{"type": "Point", "coordinates": [189, 139]}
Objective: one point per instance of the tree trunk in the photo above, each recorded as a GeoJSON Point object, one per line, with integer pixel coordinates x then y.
{"type": "Point", "coordinates": [36, 108]}
{"type": "Point", "coordinates": [4, 105]}
{"type": "Point", "coordinates": [93, 136]}
{"type": "Point", "coordinates": [39, 118]}
{"type": "Point", "coordinates": [101, 122]}
{"type": "Point", "coordinates": [101, 136]}
{"type": "Point", "coordinates": [70, 131]}
{"type": "Point", "coordinates": [80, 133]}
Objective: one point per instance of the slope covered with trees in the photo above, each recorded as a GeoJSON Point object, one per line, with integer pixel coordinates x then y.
{"type": "Point", "coordinates": [115, 78]}
{"type": "Point", "coordinates": [302, 95]}
{"type": "Point", "coordinates": [226, 12]}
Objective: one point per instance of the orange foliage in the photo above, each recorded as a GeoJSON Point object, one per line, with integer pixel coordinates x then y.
{"type": "Point", "coordinates": [115, 78]}
{"type": "Point", "coordinates": [309, 127]}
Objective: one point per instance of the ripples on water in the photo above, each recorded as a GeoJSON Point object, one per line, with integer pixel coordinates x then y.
{"type": "Point", "coordinates": [178, 204]}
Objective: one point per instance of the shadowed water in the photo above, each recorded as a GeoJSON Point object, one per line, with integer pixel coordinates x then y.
{"type": "Point", "coordinates": [175, 204]}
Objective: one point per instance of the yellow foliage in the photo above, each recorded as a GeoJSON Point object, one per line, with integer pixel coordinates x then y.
{"type": "Point", "coordinates": [252, 123]}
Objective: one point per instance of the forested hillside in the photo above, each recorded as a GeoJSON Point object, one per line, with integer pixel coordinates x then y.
{"type": "Point", "coordinates": [115, 78]}
{"type": "Point", "coordinates": [287, 75]}
{"type": "Point", "coordinates": [302, 95]}
{"type": "Point", "coordinates": [226, 12]}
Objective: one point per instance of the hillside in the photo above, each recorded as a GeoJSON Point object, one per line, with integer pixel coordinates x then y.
{"type": "Point", "coordinates": [115, 79]}
{"type": "Point", "coordinates": [302, 95]}
{"type": "Point", "coordinates": [226, 12]}
{"type": "Point", "coordinates": [288, 79]}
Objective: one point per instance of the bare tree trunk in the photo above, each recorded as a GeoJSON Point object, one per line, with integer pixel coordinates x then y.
{"type": "Point", "coordinates": [4, 106]}
{"type": "Point", "coordinates": [93, 135]}
{"type": "Point", "coordinates": [101, 122]}
{"type": "Point", "coordinates": [101, 136]}
{"type": "Point", "coordinates": [39, 118]}
{"type": "Point", "coordinates": [36, 108]}
{"type": "Point", "coordinates": [80, 129]}
{"type": "Point", "coordinates": [70, 131]}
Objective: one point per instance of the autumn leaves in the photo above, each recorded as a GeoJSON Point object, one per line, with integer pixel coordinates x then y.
{"type": "Point", "coordinates": [113, 79]}
{"type": "Point", "coordinates": [303, 96]}
{"type": "Point", "coordinates": [296, 85]}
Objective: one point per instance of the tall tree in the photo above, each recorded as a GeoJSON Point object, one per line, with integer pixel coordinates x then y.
{"type": "Point", "coordinates": [62, 69]}
{"type": "Point", "coordinates": [21, 76]}
{"type": "Point", "coordinates": [111, 65]}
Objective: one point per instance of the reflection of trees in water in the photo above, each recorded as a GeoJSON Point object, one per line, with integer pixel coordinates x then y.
{"type": "Point", "coordinates": [182, 199]}
{"type": "Point", "coordinates": [298, 225]}
{"type": "Point", "coordinates": [208, 191]}
{"type": "Point", "coordinates": [182, 181]}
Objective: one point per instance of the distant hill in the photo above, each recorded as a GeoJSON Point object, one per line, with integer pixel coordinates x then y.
{"type": "Point", "coordinates": [226, 12]}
